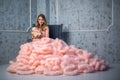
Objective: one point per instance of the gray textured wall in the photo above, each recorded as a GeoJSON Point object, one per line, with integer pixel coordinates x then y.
{"type": "Point", "coordinates": [15, 15]}
{"type": "Point", "coordinates": [92, 25]}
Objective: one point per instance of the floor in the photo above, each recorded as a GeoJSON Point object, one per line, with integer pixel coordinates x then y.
{"type": "Point", "coordinates": [112, 74]}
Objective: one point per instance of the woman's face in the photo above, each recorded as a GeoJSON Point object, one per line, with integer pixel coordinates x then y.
{"type": "Point", "coordinates": [41, 21]}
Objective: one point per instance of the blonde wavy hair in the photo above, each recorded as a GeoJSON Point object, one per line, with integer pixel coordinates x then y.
{"type": "Point", "coordinates": [45, 22]}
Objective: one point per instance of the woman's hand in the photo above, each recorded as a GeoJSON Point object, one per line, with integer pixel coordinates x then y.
{"type": "Point", "coordinates": [36, 34]}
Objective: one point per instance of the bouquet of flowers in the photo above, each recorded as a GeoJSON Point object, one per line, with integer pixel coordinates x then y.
{"type": "Point", "coordinates": [36, 34]}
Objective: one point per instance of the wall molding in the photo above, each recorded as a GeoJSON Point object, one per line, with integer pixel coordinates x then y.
{"type": "Point", "coordinates": [57, 16]}
{"type": "Point", "coordinates": [87, 30]}
{"type": "Point", "coordinates": [21, 30]}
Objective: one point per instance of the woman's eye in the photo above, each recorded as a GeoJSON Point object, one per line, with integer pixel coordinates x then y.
{"type": "Point", "coordinates": [40, 19]}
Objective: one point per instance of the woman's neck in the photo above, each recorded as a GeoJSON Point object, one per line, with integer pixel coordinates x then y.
{"type": "Point", "coordinates": [39, 26]}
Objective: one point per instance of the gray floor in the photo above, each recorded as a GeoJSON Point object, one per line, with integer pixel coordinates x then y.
{"type": "Point", "coordinates": [112, 74]}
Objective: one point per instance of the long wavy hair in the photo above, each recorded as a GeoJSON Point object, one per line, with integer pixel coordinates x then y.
{"type": "Point", "coordinates": [45, 22]}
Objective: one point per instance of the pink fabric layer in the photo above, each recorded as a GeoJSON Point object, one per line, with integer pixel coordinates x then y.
{"type": "Point", "coordinates": [54, 57]}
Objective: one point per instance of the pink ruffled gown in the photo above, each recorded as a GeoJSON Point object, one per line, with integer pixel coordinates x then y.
{"type": "Point", "coordinates": [54, 57]}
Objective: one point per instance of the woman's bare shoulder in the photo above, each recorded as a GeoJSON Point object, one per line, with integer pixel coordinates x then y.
{"type": "Point", "coordinates": [46, 27]}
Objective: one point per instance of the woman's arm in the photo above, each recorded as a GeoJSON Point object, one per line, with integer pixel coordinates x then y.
{"type": "Point", "coordinates": [32, 33]}
{"type": "Point", "coordinates": [47, 31]}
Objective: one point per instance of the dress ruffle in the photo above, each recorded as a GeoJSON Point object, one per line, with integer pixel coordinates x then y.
{"type": "Point", "coordinates": [54, 57]}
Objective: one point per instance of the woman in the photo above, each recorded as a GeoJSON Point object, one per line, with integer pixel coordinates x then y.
{"type": "Point", "coordinates": [53, 56]}
{"type": "Point", "coordinates": [41, 29]}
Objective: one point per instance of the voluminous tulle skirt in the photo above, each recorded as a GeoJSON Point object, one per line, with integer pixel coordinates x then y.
{"type": "Point", "coordinates": [54, 57]}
